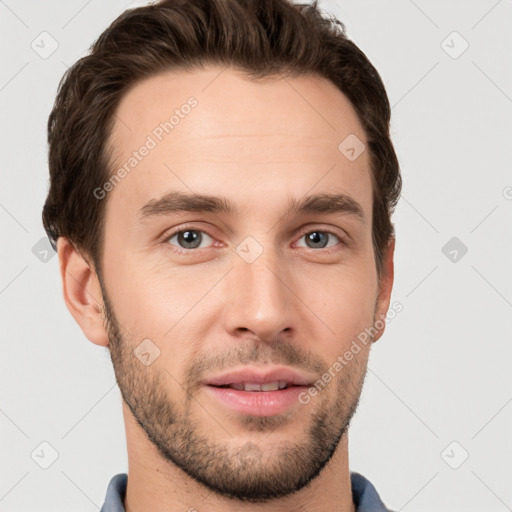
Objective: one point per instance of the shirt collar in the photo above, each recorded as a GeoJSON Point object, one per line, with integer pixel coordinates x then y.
{"type": "Point", "coordinates": [364, 494]}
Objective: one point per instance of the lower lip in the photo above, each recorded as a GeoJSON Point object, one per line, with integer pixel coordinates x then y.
{"type": "Point", "coordinates": [258, 403]}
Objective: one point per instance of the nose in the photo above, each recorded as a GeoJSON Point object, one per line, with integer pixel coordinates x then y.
{"type": "Point", "coordinates": [259, 300]}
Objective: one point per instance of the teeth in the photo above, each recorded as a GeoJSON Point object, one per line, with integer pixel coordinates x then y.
{"type": "Point", "coordinates": [268, 386]}
{"type": "Point", "coordinates": [248, 386]}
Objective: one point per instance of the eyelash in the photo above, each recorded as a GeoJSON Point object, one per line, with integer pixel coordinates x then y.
{"type": "Point", "coordinates": [181, 251]}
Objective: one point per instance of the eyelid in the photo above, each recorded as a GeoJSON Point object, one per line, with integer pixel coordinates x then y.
{"type": "Point", "coordinates": [170, 233]}
{"type": "Point", "coordinates": [340, 233]}
{"type": "Point", "coordinates": [312, 229]}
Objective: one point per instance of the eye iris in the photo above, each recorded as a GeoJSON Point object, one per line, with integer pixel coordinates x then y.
{"type": "Point", "coordinates": [315, 237]}
{"type": "Point", "coordinates": [187, 238]}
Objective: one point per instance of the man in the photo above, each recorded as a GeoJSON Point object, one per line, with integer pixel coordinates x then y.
{"type": "Point", "coordinates": [222, 182]}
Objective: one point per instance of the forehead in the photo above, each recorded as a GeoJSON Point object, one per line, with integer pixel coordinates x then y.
{"type": "Point", "coordinates": [214, 130]}
{"type": "Point", "coordinates": [280, 106]}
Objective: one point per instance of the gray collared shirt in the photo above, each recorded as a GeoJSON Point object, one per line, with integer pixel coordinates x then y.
{"type": "Point", "coordinates": [364, 494]}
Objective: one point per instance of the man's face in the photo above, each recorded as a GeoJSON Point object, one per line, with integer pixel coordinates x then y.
{"type": "Point", "coordinates": [256, 289]}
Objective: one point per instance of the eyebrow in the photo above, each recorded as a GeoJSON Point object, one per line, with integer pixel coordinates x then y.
{"type": "Point", "coordinates": [174, 202]}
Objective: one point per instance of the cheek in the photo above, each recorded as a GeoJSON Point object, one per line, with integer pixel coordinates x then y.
{"type": "Point", "coordinates": [344, 301]}
{"type": "Point", "coordinates": [164, 303]}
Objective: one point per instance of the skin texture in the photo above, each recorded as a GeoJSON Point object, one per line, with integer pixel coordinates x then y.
{"type": "Point", "coordinates": [208, 310]}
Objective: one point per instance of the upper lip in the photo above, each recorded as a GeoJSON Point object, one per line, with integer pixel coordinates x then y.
{"type": "Point", "coordinates": [257, 375]}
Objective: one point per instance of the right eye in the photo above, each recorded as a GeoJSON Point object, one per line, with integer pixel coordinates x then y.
{"type": "Point", "coordinates": [187, 239]}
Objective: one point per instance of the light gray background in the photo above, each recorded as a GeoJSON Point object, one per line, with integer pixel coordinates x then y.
{"type": "Point", "coordinates": [440, 374]}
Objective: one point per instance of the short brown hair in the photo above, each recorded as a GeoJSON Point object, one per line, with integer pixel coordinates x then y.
{"type": "Point", "coordinates": [260, 37]}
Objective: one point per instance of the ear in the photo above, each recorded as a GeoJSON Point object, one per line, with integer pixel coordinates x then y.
{"type": "Point", "coordinates": [385, 287]}
{"type": "Point", "coordinates": [82, 292]}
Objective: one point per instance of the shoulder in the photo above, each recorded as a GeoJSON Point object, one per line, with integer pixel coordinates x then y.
{"type": "Point", "coordinates": [365, 496]}
{"type": "Point", "coordinates": [114, 499]}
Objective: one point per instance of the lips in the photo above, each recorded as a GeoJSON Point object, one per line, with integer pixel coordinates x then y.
{"type": "Point", "coordinates": [258, 391]}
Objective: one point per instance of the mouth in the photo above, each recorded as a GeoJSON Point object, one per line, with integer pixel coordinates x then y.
{"type": "Point", "coordinates": [252, 392]}
{"type": "Point", "coordinates": [253, 386]}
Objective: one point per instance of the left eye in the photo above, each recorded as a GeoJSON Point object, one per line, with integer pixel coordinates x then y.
{"type": "Point", "coordinates": [189, 238]}
{"type": "Point", "coordinates": [318, 239]}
